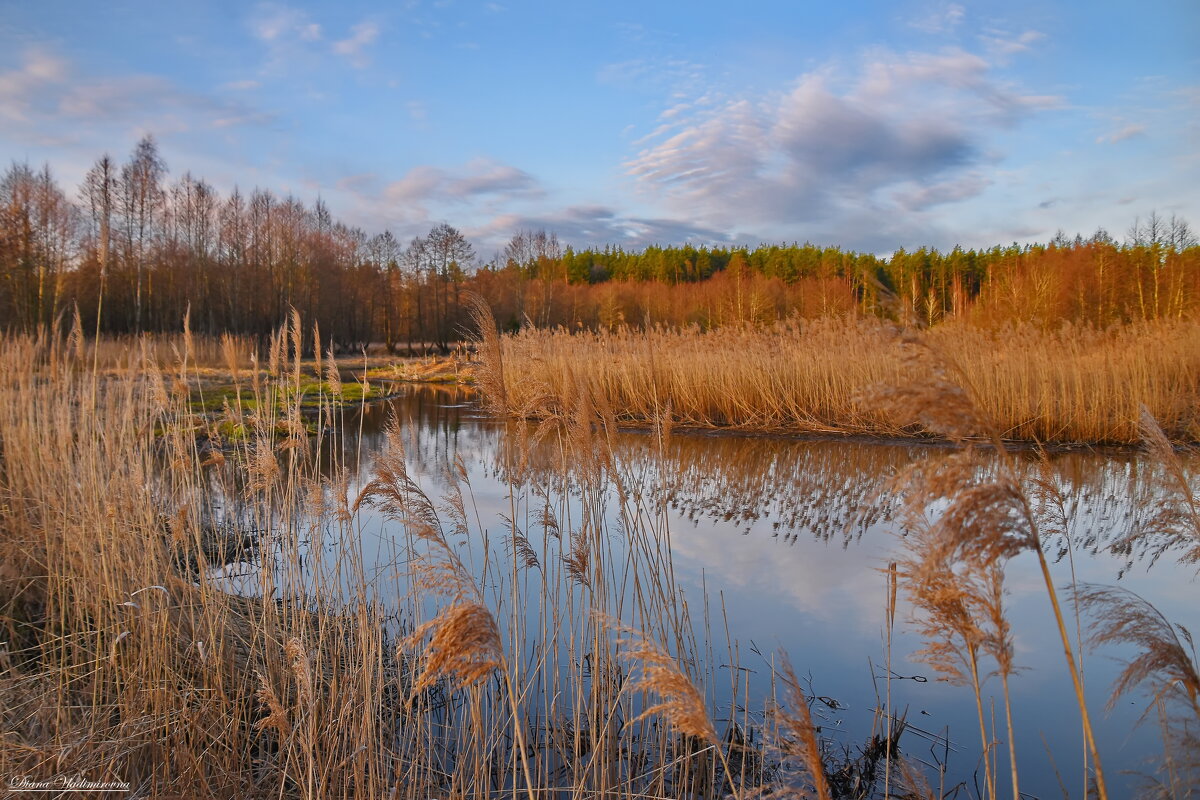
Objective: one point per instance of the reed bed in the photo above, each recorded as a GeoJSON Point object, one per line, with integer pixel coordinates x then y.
{"type": "Point", "coordinates": [547, 653]}
{"type": "Point", "coordinates": [1067, 385]}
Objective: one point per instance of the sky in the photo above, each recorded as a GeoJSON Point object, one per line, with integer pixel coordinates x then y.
{"type": "Point", "coordinates": [867, 125]}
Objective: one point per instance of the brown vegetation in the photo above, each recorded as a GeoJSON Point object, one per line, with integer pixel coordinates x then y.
{"type": "Point", "coordinates": [124, 660]}
{"type": "Point", "coordinates": [1072, 384]}
{"type": "Point", "coordinates": [499, 671]}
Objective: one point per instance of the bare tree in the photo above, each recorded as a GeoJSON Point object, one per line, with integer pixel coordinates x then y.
{"type": "Point", "coordinates": [1179, 236]}
{"type": "Point", "coordinates": [142, 201]}
{"type": "Point", "coordinates": [535, 255]}
{"type": "Point", "coordinates": [383, 255]}
{"type": "Point", "coordinates": [413, 261]}
{"type": "Point", "coordinates": [99, 194]}
{"type": "Point", "coordinates": [192, 220]}
{"type": "Point", "coordinates": [448, 255]}
{"type": "Point", "coordinates": [233, 245]}
{"type": "Point", "coordinates": [39, 225]}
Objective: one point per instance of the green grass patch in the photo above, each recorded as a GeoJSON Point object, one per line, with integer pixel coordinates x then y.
{"type": "Point", "coordinates": [310, 393]}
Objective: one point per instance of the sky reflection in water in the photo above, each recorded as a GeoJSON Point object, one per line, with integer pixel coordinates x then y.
{"type": "Point", "coordinates": [788, 540]}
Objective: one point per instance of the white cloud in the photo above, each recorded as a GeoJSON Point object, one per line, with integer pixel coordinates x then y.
{"type": "Point", "coordinates": [900, 134]}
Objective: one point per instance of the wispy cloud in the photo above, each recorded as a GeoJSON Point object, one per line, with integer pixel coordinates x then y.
{"type": "Point", "coordinates": [596, 225]}
{"type": "Point", "coordinates": [477, 179]}
{"type": "Point", "coordinates": [1002, 44]}
{"type": "Point", "coordinates": [676, 76]}
{"type": "Point", "coordinates": [1121, 134]}
{"type": "Point", "coordinates": [417, 111]}
{"type": "Point", "coordinates": [481, 196]}
{"type": "Point", "coordinates": [45, 93]}
{"type": "Point", "coordinates": [274, 23]}
{"type": "Point", "coordinates": [950, 191]}
{"type": "Point", "coordinates": [23, 90]}
{"type": "Point", "coordinates": [288, 36]}
{"type": "Point", "coordinates": [353, 48]}
{"type": "Point", "coordinates": [941, 20]}
{"type": "Point", "coordinates": [473, 191]}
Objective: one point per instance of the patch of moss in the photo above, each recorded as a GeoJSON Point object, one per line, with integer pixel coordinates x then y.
{"type": "Point", "coordinates": [314, 393]}
{"type": "Point", "coordinates": [310, 394]}
{"type": "Point", "coordinates": [233, 431]}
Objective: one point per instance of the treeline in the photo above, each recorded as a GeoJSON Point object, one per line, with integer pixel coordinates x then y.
{"type": "Point", "coordinates": [132, 251]}
{"type": "Point", "coordinates": [1155, 273]}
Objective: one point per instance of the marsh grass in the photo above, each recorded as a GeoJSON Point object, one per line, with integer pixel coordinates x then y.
{"type": "Point", "coordinates": [965, 521]}
{"type": "Point", "coordinates": [479, 661]}
{"type": "Point", "coordinates": [1166, 665]}
{"type": "Point", "coordinates": [547, 653]}
{"type": "Point", "coordinates": [1071, 384]}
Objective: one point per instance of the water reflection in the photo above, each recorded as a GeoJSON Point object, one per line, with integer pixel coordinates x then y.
{"type": "Point", "coordinates": [831, 490]}
{"type": "Point", "coordinates": [781, 542]}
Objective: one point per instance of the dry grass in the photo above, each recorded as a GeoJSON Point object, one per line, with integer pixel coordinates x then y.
{"type": "Point", "coordinates": [492, 670]}
{"type": "Point", "coordinates": [1166, 665]}
{"type": "Point", "coordinates": [1073, 384]}
{"type": "Point", "coordinates": [123, 660]}
{"type": "Point", "coordinates": [800, 739]}
{"type": "Point", "coordinates": [954, 562]}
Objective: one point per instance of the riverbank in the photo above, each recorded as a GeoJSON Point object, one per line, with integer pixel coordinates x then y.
{"type": "Point", "coordinates": [1067, 386]}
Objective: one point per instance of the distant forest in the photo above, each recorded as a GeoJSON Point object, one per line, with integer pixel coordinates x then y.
{"type": "Point", "coordinates": [133, 251]}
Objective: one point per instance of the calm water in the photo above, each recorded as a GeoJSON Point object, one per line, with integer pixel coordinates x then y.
{"type": "Point", "coordinates": [784, 542]}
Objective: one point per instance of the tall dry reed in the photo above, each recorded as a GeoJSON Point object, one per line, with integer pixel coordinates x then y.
{"type": "Point", "coordinates": [954, 560]}
{"type": "Point", "coordinates": [193, 614]}
{"type": "Point", "coordinates": [1072, 384]}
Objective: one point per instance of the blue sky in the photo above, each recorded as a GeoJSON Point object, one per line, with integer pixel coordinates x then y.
{"type": "Point", "coordinates": [868, 125]}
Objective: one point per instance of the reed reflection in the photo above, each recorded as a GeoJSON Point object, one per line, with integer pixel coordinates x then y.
{"type": "Point", "coordinates": [828, 490]}
{"type": "Point", "coordinates": [816, 515]}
